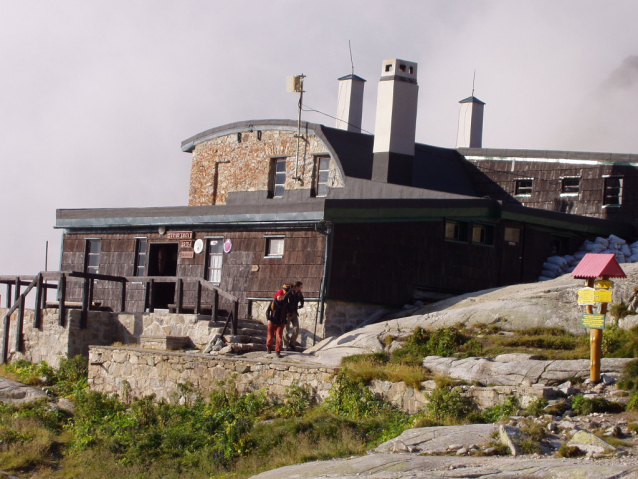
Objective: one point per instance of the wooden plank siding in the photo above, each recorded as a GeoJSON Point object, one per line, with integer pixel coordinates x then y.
{"type": "Point", "coordinates": [386, 262]}
{"type": "Point", "coordinates": [497, 179]}
{"type": "Point", "coordinates": [246, 271]}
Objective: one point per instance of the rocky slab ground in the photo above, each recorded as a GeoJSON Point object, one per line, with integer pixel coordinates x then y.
{"type": "Point", "coordinates": [407, 466]}
{"type": "Point", "coordinates": [14, 392]}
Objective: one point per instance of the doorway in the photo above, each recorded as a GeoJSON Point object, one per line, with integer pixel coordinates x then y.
{"type": "Point", "coordinates": [162, 261]}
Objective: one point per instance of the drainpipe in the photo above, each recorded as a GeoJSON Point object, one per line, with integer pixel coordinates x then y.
{"type": "Point", "coordinates": [326, 270]}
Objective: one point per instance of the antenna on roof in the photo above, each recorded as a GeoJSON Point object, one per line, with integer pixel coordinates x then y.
{"type": "Point", "coordinates": [294, 84]}
{"type": "Point", "coordinates": [473, 80]}
{"type": "Point", "coordinates": [351, 62]}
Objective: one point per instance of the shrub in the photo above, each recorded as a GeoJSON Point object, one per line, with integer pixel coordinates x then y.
{"type": "Point", "coordinates": [569, 451]}
{"type": "Point", "coordinates": [500, 411]}
{"type": "Point", "coordinates": [446, 404]}
{"type": "Point", "coordinates": [629, 377]}
{"type": "Point", "coordinates": [584, 406]}
{"type": "Point", "coordinates": [536, 406]}
{"type": "Point", "coordinates": [632, 404]}
{"type": "Point", "coordinates": [297, 401]}
{"type": "Point", "coordinates": [421, 343]}
{"type": "Point", "coordinates": [352, 399]}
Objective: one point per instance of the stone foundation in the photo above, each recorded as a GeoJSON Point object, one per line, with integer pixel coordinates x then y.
{"type": "Point", "coordinates": [141, 372]}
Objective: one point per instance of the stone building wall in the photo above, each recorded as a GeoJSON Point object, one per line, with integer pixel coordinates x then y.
{"type": "Point", "coordinates": [226, 164]}
{"type": "Point", "coordinates": [141, 372]}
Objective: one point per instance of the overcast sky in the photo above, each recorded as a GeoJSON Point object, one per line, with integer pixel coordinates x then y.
{"type": "Point", "coordinates": [96, 96]}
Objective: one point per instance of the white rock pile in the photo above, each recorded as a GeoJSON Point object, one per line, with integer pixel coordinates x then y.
{"type": "Point", "coordinates": [556, 266]}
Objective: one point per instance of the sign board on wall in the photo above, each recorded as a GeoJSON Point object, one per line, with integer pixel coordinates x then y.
{"type": "Point", "coordinates": [186, 254]}
{"type": "Point", "coordinates": [179, 235]}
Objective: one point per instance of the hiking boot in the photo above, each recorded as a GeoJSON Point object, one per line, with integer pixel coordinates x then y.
{"type": "Point", "coordinates": [291, 348]}
{"type": "Point", "coordinates": [278, 354]}
{"type": "Point", "coordinates": [269, 351]}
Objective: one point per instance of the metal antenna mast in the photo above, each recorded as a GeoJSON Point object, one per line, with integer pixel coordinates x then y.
{"type": "Point", "coordinates": [351, 62]}
{"type": "Point", "coordinates": [473, 81]}
{"type": "Point", "coordinates": [294, 84]}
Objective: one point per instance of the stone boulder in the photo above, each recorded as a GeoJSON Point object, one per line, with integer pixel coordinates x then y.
{"type": "Point", "coordinates": [437, 440]}
{"type": "Point", "coordinates": [13, 392]}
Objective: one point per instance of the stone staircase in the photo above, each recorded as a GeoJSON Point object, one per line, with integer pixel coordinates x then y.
{"type": "Point", "coordinates": [251, 336]}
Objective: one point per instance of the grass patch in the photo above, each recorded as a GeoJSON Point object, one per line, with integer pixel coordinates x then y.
{"type": "Point", "coordinates": [584, 406]}
{"type": "Point", "coordinates": [569, 451]}
{"type": "Point", "coordinates": [366, 367]}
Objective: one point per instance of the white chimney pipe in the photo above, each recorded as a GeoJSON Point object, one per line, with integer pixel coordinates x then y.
{"type": "Point", "coordinates": [470, 134]}
{"type": "Point", "coordinates": [395, 125]}
{"type": "Point", "coordinates": [350, 103]}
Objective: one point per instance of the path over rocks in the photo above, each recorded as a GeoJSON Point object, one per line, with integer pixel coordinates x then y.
{"type": "Point", "coordinates": [14, 392]}
{"type": "Point", "coordinates": [548, 304]}
{"type": "Point", "coordinates": [408, 466]}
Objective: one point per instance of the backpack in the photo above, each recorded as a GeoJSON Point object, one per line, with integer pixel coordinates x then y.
{"type": "Point", "coordinates": [269, 311]}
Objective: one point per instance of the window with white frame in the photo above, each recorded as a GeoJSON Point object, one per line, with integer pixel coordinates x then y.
{"type": "Point", "coordinates": [323, 173]}
{"type": "Point", "coordinates": [275, 246]}
{"type": "Point", "coordinates": [278, 177]}
{"type": "Point", "coordinates": [613, 191]}
{"type": "Point", "coordinates": [214, 257]}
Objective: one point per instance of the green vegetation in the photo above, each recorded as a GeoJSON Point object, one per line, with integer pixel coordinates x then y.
{"type": "Point", "coordinates": [223, 435]}
{"type": "Point", "coordinates": [569, 451]}
{"type": "Point", "coordinates": [629, 378]}
{"type": "Point", "coordinates": [584, 406]}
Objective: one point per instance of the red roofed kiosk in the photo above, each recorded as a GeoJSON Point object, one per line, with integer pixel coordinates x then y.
{"type": "Point", "coordinates": [593, 266]}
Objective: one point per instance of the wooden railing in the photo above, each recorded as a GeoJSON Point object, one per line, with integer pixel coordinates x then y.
{"type": "Point", "coordinates": [39, 283]}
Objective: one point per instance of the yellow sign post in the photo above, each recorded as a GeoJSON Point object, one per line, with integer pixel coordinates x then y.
{"type": "Point", "coordinates": [603, 284]}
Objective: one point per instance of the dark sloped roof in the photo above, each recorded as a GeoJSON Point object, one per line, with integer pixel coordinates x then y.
{"type": "Point", "coordinates": [351, 77]}
{"type": "Point", "coordinates": [472, 99]}
{"type": "Point", "coordinates": [440, 169]}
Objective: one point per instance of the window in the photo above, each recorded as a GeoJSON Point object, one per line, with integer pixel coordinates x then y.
{"type": "Point", "coordinates": [570, 186]}
{"type": "Point", "coordinates": [139, 268]}
{"type": "Point", "coordinates": [613, 191]}
{"type": "Point", "coordinates": [456, 231]}
{"type": "Point", "coordinates": [323, 172]}
{"type": "Point", "coordinates": [524, 187]}
{"type": "Point", "coordinates": [512, 235]}
{"type": "Point", "coordinates": [482, 234]}
{"type": "Point", "coordinates": [558, 245]}
{"type": "Point", "coordinates": [214, 255]}
{"type": "Point", "coordinates": [275, 247]}
{"type": "Point", "coordinates": [92, 256]}
{"type": "Point", "coordinates": [278, 177]}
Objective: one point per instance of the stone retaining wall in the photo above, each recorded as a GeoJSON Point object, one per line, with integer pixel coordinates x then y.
{"type": "Point", "coordinates": [141, 372]}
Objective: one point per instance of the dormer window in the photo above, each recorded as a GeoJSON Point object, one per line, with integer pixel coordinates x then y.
{"type": "Point", "coordinates": [613, 191]}
{"type": "Point", "coordinates": [323, 174]}
{"type": "Point", "coordinates": [524, 187]}
{"type": "Point", "coordinates": [277, 177]}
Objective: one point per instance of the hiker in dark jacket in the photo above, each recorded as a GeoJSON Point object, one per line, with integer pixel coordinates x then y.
{"type": "Point", "coordinates": [294, 302]}
{"type": "Point", "coordinates": [276, 324]}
